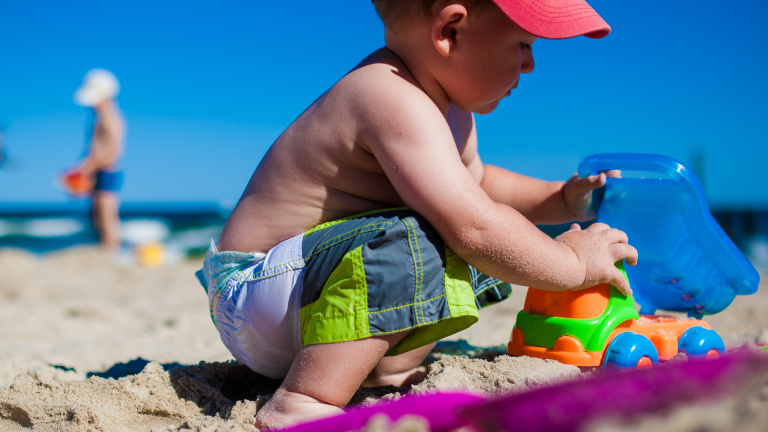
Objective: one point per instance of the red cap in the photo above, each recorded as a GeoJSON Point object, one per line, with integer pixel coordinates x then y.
{"type": "Point", "coordinates": [555, 19]}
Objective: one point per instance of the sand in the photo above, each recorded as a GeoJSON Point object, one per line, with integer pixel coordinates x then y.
{"type": "Point", "coordinates": [82, 313]}
{"type": "Point", "coordinates": [223, 396]}
{"type": "Point", "coordinates": [500, 376]}
{"type": "Point", "coordinates": [78, 309]}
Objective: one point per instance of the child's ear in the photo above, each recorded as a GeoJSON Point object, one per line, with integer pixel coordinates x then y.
{"type": "Point", "coordinates": [445, 27]}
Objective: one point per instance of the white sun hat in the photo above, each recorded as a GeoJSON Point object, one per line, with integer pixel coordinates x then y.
{"type": "Point", "coordinates": [98, 86]}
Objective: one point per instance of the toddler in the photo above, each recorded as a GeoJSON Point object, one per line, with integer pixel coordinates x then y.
{"type": "Point", "coordinates": [371, 228]}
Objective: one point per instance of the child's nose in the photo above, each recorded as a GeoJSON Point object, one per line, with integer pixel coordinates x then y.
{"type": "Point", "coordinates": [527, 64]}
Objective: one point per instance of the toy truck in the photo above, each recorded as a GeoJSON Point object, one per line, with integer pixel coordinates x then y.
{"type": "Point", "coordinates": [686, 263]}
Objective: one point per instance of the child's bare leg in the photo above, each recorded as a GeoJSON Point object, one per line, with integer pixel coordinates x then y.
{"type": "Point", "coordinates": [323, 379]}
{"type": "Point", "coordinates": [399, 370]}
{"type": "Point", "coordinates": [107, 219]}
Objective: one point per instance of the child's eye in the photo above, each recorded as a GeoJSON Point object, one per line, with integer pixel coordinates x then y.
{"type": "Point", "coordinates": [525, 46]}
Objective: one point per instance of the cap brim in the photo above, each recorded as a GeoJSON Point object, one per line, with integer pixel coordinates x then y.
{"type": "Point", "coordinates": [88, 97]}
{"type": "Point", "coordinates": [555, 19]}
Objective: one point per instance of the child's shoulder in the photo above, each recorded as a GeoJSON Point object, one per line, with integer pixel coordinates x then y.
{"type": "Point", "coordinates": [383, 81]}
{"type": "Point", "coordinates": [382, 95]}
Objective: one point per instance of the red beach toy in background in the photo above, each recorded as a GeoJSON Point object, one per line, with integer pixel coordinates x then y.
{"type": "Point", "coordinates": [76, 183]}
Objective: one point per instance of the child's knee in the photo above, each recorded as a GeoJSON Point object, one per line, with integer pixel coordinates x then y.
{"type": "Point", "coordinates": [400, 370]}
{"type": "Point", "coordinates": [332, 372]}
{"type": "Point", "coordinates": [403, 362]}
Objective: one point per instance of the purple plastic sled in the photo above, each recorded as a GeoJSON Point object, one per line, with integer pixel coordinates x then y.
{"type": "Point", "coordinates": [568, 406]}
{"type": "Point", "coordinates": [440, 410]}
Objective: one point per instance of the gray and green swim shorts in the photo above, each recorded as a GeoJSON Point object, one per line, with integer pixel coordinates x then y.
{"type": "Point", "coordinates": [367, 275]}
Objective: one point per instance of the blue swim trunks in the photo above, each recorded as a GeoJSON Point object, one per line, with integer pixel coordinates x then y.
{"type": "Point", "coordinates": [109, 181]}
{"type": "Point", "coordinates": [372, 274]}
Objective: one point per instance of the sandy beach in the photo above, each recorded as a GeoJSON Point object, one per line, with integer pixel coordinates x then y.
{"type": "Point", "coordinates": [74, 313]}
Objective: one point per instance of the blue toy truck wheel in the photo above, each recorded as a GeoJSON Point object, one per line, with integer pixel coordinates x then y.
{"type": "Point", "coordinates": [698, 342]}
{"type": "Point", "coordinates": [627, 350]}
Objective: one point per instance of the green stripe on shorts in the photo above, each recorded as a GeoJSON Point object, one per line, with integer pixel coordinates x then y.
{"type": "Point", "coordinates": [382, 273]}
{"type": "Point", "coordinates": [341, 312]}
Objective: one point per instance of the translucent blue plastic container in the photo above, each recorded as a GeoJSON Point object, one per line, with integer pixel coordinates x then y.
{"type": "Point", "coordinates": [686, 261]}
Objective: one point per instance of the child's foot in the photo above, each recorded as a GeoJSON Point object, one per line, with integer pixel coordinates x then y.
{"type": "Point", "coordinates": [322, 379]}
{"type": "Point", "coordinates": [287, 408]}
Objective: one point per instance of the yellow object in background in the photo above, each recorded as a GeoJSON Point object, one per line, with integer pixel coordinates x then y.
{"type": "Point", "coordinates": [151, 255]}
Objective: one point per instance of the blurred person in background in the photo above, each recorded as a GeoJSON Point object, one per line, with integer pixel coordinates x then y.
{"type": "Point", "coordinates": [98, 173]}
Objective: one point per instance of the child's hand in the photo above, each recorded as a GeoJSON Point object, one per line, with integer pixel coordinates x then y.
{"type": "Point", "coordinates": [598, 248]}
{"type": "Point", "coordinates": [77, 183]}
{"type": "Point", "coordinates": [577, 193]}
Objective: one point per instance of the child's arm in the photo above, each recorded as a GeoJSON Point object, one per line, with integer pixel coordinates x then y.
{"type": "Point", "coordinates": [539, 201]}
{"type": "Point", "coordinates": [416, 149]}
{"type": "Point", "coordinates": [105, 146]}
{"type": "Point", "coordinates": [544, 202]}
{"type": "Point", "coordinates": [101, 155]}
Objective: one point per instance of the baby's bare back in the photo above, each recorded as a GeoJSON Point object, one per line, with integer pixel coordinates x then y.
{"type": "Point", "coordinates": [318, 170]}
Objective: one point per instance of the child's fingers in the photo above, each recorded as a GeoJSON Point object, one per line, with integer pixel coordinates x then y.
{"type": "Point", "coordinates": [613, 173]}
{"type": "Point", "coordinates": [614, 235]}
{"type": "Point", "coordinates": [623, 251]}
{"type": "Point", "coordinates": [598, 227]}
{"type": "Point", "coordinates": [592, 182]}
{"type": "Point", "coordinates": [598, 179]}
{"type": "Point", "coordinates": [584, 185]}
{"type": "Point", "coordinates": [620, 282]}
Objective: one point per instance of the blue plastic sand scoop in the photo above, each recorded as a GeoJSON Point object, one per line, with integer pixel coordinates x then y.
{"type": "Point", "coordinates": [686, 261]}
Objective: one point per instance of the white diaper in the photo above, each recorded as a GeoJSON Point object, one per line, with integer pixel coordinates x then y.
{"type": "Point", "coordinates": [255, 304]}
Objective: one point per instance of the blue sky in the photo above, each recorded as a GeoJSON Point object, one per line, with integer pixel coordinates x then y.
{"type": "Point", "coordinates": [207, 88]}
